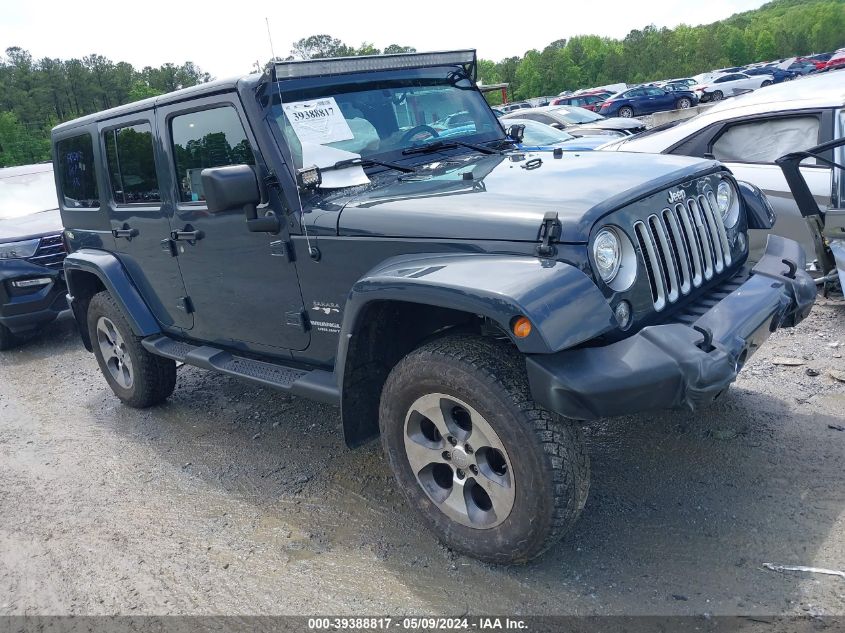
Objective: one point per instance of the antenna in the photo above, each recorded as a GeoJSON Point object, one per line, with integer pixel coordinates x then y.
{"type": "Point", "coordinates": [270, 37]}
{"type": "Point", "coordinates": [313, 251]}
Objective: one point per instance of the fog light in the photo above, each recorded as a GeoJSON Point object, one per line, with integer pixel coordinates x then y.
{"type": "Point", "coordinates": [29, 283]}
{"type": "Point", "coordinates": [623, 314]}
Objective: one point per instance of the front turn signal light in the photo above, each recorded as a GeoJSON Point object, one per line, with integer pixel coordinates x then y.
{"type": "Point", "coordinates": [521, 327]}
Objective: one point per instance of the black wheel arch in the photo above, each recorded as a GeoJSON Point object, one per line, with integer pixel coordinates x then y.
{"type": "Point", "coordinates": [393, 309]}
{"type": "Point", "coordinates": [88, 272]}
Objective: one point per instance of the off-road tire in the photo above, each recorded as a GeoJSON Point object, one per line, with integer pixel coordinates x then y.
{"type": "Point", "coordinates": [626, 112]}
{"type": "Point", "coordinates": [7, 339]}
{"type": "Point", "coordinates": [548, 455]}
{"type": "Point", "coordinates": [154, 377]}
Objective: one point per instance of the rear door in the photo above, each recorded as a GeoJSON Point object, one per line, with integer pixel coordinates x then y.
{"type": "Point", "coordinates": [243, 287]}
{"type": "Point", "coordinates": [140, 222]}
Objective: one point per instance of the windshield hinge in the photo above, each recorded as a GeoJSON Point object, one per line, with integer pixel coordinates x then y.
{"type": "Point", "coordinates": [271, 181]}
{"type": "Point", "coordinates": [550, 232]}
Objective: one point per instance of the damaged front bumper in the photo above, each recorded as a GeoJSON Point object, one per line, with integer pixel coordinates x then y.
{"type": "Point", "coordinates": [677, 365]}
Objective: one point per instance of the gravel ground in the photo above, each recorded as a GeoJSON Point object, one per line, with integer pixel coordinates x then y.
{"type": "Point", "coordinates": [232, 499]}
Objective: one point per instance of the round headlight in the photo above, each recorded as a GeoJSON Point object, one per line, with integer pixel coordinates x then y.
{"type": "Point", "coordinates": [724, 198]}
{"type": "Point", "coordinates": [607, 254]}
{"type": "Point", "coordinates": [728, 202]}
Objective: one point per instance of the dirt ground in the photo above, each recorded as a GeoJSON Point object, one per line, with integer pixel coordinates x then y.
{"type": "Point", "coordinates": [232, 499]}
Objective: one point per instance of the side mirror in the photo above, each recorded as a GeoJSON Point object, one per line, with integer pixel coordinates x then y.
{"type": "Point", "coordinates": [516, 133]}
{"type": "Point", "coordinates": [556, 125]}
{"type": "Point", "coordinates": [236, 187]}
{"type": "Point", "coordinates": [757, 208]}
{"type": "Point", "coordinates": [230, 187]}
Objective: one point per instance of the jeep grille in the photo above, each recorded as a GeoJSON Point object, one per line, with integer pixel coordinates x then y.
{"type": "Point", "coordinates": [683, 247]}
{"type": "Point", "coordinates": [51, 252]}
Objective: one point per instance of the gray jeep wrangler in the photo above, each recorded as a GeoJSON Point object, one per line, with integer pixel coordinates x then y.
{"type": "Point", "coordinates": [363, 232]}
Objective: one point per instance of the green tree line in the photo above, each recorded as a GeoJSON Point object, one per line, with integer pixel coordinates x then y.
{"type": "Point", "coordinates": [783, 28]}
{"type": "Point", "coordinates": [35, 95]}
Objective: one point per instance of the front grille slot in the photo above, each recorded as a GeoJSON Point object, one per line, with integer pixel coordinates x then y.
{"type": "Point", "coordinates": [683, 247]}
{"type": "Point", "coordinates": [51, 252]}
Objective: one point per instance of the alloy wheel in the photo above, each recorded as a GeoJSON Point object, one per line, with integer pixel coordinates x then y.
{"type": "Point", "coordinates": [459, 461]}
{"type": "Point", "coordinates": [115, 355]}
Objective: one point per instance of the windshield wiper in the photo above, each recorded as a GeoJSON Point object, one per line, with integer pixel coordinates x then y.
{"type": "Point", "coordinates": [436, 146]}
{"type": "Point", "coordinates": [368, 162]}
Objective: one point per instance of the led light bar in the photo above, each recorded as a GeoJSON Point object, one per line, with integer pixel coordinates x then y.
{"type": "Point", "coordinates": [29, 283]}
{"type": "Point", "coordinates": [368, 63]}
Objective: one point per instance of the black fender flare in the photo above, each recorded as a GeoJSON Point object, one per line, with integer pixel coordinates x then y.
{"type": "Point", "coordinates": [108, 269]}
{"type": "Point", "coordinates": [758, 210]}
{"type": "Point", "coordinates": [562, 302]}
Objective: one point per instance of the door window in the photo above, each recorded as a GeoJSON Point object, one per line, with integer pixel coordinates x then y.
{"type": "Point", "coordinates": [766, 140]}
{"type": "Point", "coordinates": [206, 138]}
{"type": "Point", "coordinates": [132, 170]}
{"type": "Point", "coordinates": [77, 175]}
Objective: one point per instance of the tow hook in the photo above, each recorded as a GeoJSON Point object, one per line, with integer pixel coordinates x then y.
{"type": "Point", "coordinates": [791, 268]}
{"type": "Point", "coordinates": [706, 344]}
{"type": "Point", "coordinates": [549, 231]}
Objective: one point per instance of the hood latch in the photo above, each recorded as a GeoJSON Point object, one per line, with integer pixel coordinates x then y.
{"type": "Point", "coordinates": [550, 232]}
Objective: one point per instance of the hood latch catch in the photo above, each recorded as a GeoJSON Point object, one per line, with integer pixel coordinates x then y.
{"type": "Point", "coordinates": [550, 232]}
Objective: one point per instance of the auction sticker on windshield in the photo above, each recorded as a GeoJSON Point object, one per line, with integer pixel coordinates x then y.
{"type": "Point", "coordinates": [318, 121]}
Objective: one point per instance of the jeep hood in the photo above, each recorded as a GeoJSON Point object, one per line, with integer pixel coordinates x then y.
{"type": "Point", "coordinates": [506, 197]}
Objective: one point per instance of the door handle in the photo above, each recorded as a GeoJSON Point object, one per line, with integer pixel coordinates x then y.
{"type": "Point", "coordinates": [188, 234]}
{"type": "Point", "coordinates": [126, 232]}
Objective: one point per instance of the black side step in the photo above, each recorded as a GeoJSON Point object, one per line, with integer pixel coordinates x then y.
{"type": "Point", "coordinates": [316, 384]}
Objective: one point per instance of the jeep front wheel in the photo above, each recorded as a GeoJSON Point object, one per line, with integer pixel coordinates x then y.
{"type": "Point", "coordinates": [494, 475]}
{"type": "Point", "coordinates": [138, 378]}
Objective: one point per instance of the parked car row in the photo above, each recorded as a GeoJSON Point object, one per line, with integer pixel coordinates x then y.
{"type": "Point", "coordinates": [579, 122]}
{"type": "Point", "coordinates": [749, 133]}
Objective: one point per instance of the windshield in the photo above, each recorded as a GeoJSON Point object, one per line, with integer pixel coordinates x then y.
{"type": "Point", "coordinates": [537, 133]}
{"type": "Point", "coordinates": [376, 115]}
{"type": "Point", "coordinates": [24, 192]}
{"type": "Point", "coordinates": [575, 115]}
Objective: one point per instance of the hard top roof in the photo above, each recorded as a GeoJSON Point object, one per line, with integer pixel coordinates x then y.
{"type": "Point", "coordinates": [209, 88]}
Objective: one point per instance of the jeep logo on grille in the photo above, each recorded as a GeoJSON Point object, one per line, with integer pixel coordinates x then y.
{"type": "Point", "coordinates": [677, 196]}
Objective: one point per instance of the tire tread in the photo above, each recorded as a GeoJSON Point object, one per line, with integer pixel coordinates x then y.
{"type": "Point", "coordinates": [155, 376]}
{"type": "Point", "coordinates": [503, 368]}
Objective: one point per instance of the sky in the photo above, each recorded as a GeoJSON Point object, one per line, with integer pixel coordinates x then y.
{"type": "Point", "coordinates": [227, 38]}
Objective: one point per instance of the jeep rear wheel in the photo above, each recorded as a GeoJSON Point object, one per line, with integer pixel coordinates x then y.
{"type": "Point", "coordinates": [138, 378]}
{"type": "Point", "coordinates": [494, 475]}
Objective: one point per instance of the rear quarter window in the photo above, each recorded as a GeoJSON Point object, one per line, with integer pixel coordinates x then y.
{"type": "Point", "coordinates": [77, 174]}
{"type": "Point", "coordinates": [132, 170]}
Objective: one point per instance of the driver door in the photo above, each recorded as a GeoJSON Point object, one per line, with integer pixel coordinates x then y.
{"type": "Point", "coordinates": [243, 289]}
